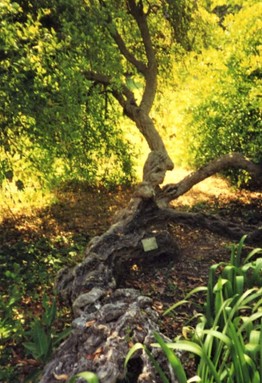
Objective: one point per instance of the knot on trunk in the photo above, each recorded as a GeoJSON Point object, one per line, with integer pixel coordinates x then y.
{"type": "Point", "coordinates": [156, 165]}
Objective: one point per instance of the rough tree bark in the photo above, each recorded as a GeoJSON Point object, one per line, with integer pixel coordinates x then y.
{"type": "Point", "coordinates": [108, 318]}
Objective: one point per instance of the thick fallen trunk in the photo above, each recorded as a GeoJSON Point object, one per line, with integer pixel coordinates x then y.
{"type": "Point", "coordinates": [108, 318]}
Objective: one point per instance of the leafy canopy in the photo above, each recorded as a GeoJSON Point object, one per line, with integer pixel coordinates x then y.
{"type": "Point", "coordinates": [64, 126]}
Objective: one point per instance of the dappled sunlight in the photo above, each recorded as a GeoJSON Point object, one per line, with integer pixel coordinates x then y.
{"type": "Point", "coordinates": [14, 202]}
{"type": "Point", "coordinates": [88, 209]}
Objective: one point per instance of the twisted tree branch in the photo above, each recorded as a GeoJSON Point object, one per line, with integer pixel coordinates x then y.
{"type": "Point", "coordinates": [233, 160]}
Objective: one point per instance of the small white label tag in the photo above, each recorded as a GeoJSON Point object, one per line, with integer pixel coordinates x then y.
{"type": "Point", "coordinates": [149, 244]}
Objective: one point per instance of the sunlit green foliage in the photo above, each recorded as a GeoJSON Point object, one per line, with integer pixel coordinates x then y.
{"type": "Point", "coordinates": [89, 377]}
{"type": "Point", "coordinates": [221, 90]}
{"type": "Point", "coordinates": [42, 338]}
{"type": "Point", "coordinates": [52, 119]}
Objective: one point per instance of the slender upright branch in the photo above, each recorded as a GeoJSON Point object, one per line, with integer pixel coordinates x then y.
{"type": "Point", "coordinates": [139, 65]}
{"type": "Point", "coordinates": [113, 31]}
{"type": "Point", "coordinates": [140, 17]}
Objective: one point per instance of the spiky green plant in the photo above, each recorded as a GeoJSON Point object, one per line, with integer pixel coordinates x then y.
{"type": "Point", "coordinates": [228, 336]}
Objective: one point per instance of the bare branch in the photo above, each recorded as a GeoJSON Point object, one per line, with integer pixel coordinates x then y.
{"type": "Point", "coordinates": [98, 77]}
{"type": "Point", "coordinates": [139, 65]}
{"type": "Point", "coordinates": [213, 223]}
{"type": "Point", "coordinates": [113, 31]}
{"type": "Point", "coordinates": [137, 12]}
{"type": "Point", "coordinates": [234, 160]}
{"type": "Point", "coordinates": [123, 95]}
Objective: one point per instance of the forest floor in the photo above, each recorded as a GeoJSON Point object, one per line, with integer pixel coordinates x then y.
{"type": "Point", "coordinates": [81, 213]}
